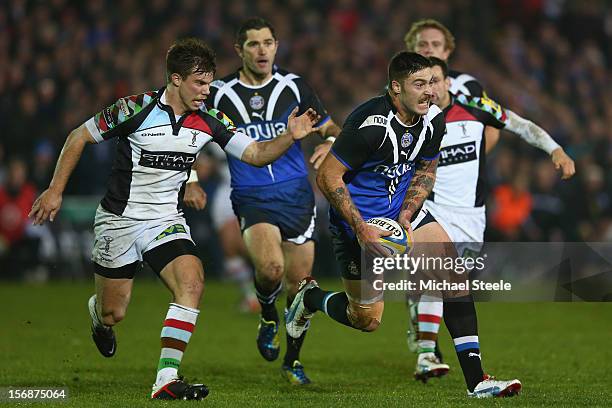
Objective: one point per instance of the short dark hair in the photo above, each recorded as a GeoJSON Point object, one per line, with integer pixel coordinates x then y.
{"type": "Point", "coordinates": [437, 62]}
{"type": "Point", "coordinates": [404, 64]}
{"type": "Point", "coordinates": [188, 56]}
{"type": "Point", "coordinates": [253, 23]}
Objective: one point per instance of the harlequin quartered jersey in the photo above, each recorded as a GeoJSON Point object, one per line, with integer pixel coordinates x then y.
{"type": "Point", "coordinates": [155, 151]}
{"type": "Point", "coordinates": [261, 112]}
{"type": "Point", "coordinates": [461, 173]}
{"type": "Point", "coordinates": [381, 154]}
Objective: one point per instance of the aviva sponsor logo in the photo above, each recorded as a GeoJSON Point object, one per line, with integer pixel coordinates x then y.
{"type": "Point", "coordinates": [394, 171]}
{"type": "Point", "coordinates": [171, 230]}
{"type": "Point", "coordinates": [264, 130]}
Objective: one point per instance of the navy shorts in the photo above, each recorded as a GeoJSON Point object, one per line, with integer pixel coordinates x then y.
{"type": "Point", "coordinates": [348, 253]}
{"type": "Point", "coordinates": [289, 205]}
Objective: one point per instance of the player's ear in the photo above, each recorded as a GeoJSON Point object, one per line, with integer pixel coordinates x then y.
{"type": "Point", "coordinates": [175, 79]}
{"type": "Point", "coordinates": [238, 50]}
{"type": "Point", "coordinates": [396, 87]}
{"type": "Point", "coordinates": [447, 82]}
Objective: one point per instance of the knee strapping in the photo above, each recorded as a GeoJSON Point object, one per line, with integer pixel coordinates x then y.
{"type": "Point", "coordinates": [363, 321]}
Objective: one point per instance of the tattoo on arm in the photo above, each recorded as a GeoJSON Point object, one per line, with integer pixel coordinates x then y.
{"type": "Point", "coordinates": [340, 200]}
{"type": "Point", "coordinates": [420, 186]}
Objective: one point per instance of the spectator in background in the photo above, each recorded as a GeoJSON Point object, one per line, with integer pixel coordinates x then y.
{"type": "Point", "coordinates": [43, 164]}
{"type": "Point", "coordinates": [546, 221]}
{"type": "Point", "coordinates": [512, 204]}
{"type": "Point", "coordinates": [593, 217]}
{"type": "Point", "coordinates": [17, 250]}
{"type": "Point", "coordinates": [2, 165]}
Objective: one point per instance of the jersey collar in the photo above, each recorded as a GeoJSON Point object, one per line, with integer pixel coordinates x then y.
{"type": "Point", "coordinates": [274, 70]}
{"type": "Point", "coordinates": [161, 103]}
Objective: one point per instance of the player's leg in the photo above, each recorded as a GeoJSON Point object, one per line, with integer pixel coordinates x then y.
{"type": "Point", "coordinates": [263, 242]}
{"type": "Point", "coordinates": [236, 266]}
{"type": "Point", "coordinates": [299, 259]}
{"type": "Point", "coordinates": [181, 271]}
{"type": "Point", "coordinates": [350, 308]}
{"type": "Point", "coordinates": [108, 306]}
{"type": "Point", "coordinates": [115, 262]}
{"type": "Point", "coordinates": [462, 324]}
{"type": "Point", "coordinates": [433, 242]}
{"type": "Point", "coordinates": [360, 306]}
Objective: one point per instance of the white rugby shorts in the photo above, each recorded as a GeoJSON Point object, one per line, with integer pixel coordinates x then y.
{"type": "Point", "coordinates": [465, 226]}
{"type": "Point", "coordinates": [121, 241]}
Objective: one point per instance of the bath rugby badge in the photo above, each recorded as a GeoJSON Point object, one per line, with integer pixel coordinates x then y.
{"type": "Point", "coordinates": [257, 102]}
{"type": "Point", "coordinates": [407, 139]}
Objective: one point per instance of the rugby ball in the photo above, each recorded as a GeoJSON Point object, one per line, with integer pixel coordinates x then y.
{"type": "Point", "coordinates": [398, 242]}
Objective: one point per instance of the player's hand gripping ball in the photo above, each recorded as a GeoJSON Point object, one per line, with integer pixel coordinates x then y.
{"type": "Point", "coordinates": [399, 242]}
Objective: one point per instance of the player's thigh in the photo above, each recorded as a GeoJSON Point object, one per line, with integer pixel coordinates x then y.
{"type": "Point", "coordinates": [176, 262]}
{"type": "Point", "coordinates": [436, 246]}
{"type": "Point", "coordinates": [184, 274]}
{"type": "Point", "coordinates": [263, 242]}
{"type": "Point", "coordinates": [298, 262]}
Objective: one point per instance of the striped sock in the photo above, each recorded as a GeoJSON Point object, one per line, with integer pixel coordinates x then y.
{"type": "Point", "coordinates": [267, 300]}
{"type": "Point", "coordinates": [333, 304]}
{"type": "Point", "coordinates": [468, 354]}
{"type": "Point", "coordinates": [429, 315]}
{"type": "Point", "coordinates": [462, 323]}
{"type": "Point", "coordinates": [178, 327]}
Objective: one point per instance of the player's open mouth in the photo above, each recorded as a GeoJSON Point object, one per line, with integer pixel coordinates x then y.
{"type": "Point", "coordinates": [262, 62]}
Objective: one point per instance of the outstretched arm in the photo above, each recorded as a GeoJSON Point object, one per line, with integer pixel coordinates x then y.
{"type": "Point", "coordinates": [49, 202]}
{"type": "Point", "coordinates": [538, 137]}
{"type": "Point", "coordinates": [263, 153]}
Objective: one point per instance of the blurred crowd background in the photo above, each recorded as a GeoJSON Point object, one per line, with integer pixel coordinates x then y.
{"type": "Point", "coordinates": [62, 61]}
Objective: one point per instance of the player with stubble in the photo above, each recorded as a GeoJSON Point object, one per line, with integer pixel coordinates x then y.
{"type": "Point", "coordinates": [275, 204]}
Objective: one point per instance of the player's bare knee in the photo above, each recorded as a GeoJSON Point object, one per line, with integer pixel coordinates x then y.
{"type": "Point", "coordinates": [270, 274]}
{"type": "Point", "coordinates": [111, 317]}
{"type": "Point", "coordinates": [191, 288]}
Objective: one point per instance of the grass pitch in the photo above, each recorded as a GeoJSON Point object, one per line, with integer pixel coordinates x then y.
{"type": "Point", "coordinates": [560, 351]}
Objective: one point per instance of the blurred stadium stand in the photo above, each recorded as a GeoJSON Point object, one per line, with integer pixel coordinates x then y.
{"type": "Point", "coordinates": [62, 61]}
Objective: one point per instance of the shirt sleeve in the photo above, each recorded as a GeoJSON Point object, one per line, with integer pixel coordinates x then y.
{"type": "Point", "coordinates": [225, 134]}
{"type": "Point", "coordinates": [119, 119]}
{"type": "Point", "coordinates": [309, 99]}
{"type": "Point", "coordinates": [355, 145]}
{"type": "Point", "coordinates": [486, 110]}
{"type": "Point", "coordinates": [475, 88]}
{"type": "Point", "coordinates": [431, 150]}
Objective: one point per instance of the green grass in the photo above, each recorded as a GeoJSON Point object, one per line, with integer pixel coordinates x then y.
{"type": "Point", "coordinates": [560, 351]}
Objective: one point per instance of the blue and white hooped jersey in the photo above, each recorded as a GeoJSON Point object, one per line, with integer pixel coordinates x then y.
{"type": "Point", "coordinates": [155, 152]}
{"type": "Point", "coordinates": [381, 154]}
{"type": "Point", "coordinates": [261, 112]}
